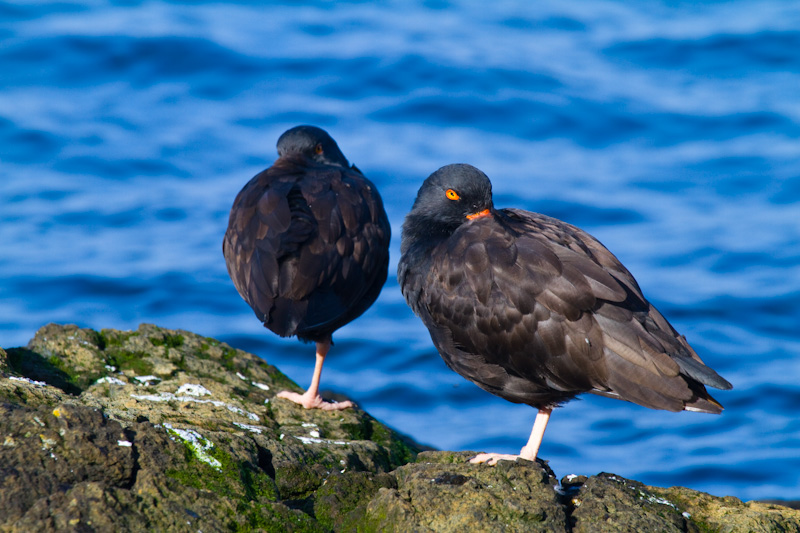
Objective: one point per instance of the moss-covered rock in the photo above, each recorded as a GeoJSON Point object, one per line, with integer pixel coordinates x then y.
{"type": "Point", "coordinates": [170, 431]}
{"type": "Point", "coordinates": [163, 430]}
{"type": "Point", "coordinates": [341, 503]}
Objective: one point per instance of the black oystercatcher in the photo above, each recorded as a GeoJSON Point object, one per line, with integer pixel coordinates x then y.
{"type": "Point", "coordinates": [307, 245]}
{"type": "Point", "coordinates": [537, 311]}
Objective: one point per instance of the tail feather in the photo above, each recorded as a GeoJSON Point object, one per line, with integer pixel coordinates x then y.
{"type": "Point", "coordinates": [705, 375]}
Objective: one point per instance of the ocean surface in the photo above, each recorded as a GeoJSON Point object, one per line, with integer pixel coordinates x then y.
{"type": "Point", "coordinates": [669, 130]}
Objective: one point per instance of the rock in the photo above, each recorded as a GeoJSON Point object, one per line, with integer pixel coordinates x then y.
{"type": "Point", "coordinates": [608, 503]}
{"type": "Point", "coordinates": [156, 430]}
{"type": "Point", "coordinates": [711, 513]}
{"type": "Point", "coordinates": [165, 430]}
{"type": "Point", "coordinates": [443, 492]}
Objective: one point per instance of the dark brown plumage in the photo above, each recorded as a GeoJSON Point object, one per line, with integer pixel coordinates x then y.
{"type": "Point", "coordinates": [535, 310]}
{"type": "Point", "coordinates": [307, 245]}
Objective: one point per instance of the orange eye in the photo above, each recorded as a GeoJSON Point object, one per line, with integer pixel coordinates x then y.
{"type": "Point", "coordinates": [318, 148]}
{"type": "Point", "coordinates": [451, 194]}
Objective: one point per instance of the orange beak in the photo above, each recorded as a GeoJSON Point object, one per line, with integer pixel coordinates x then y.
{"type": "Point", "coordinates": [481, 214]}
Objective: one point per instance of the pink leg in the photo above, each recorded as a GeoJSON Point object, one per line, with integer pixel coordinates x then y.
{"type": "Point", "coordinates": [529, 451]}
{"type": "Point", "coordinates": [311, 398]}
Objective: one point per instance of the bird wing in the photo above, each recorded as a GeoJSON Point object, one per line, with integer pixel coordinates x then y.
{"type": "Point", "coordinates": [260, 233]}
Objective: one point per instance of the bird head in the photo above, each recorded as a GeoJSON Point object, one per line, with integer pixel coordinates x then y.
{"type": "Point", "coordinates": [311, 143]}
{"type": "Point", "coordinates": [453, 195]}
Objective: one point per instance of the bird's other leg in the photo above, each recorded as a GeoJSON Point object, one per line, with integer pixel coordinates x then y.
{"type": "Point", "coordinates": [529, 451]}
{"type": "Point", "coordinates": [311, 398]}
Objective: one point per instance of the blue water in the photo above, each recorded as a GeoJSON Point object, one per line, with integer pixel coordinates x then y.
{"type": "Point", "coordinates": [669, 130]}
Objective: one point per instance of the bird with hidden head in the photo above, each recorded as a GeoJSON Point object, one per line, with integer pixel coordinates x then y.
{"type": "Point", "coordinates": [307, 246]}
{"type": "Point", "coordinates": [538, 311]}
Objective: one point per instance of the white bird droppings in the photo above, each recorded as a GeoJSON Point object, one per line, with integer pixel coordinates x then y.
{"type": "Point", "coordinates": [168, 397]}
{"type": "Point", "coordinates": [111, 380]}
{"type": "Point", "coordinates": [193, 390]}
{"type": "Point", "coordinates": [27, 380]}
{"type": "Point", "coordinates": [248, 427]}
{"type": "Point", "coordinates": [198, 444]}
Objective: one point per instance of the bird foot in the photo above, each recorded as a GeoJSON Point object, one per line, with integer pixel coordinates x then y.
{"type": "Point", "coordinates": [314, 401]}
{"type": "Point", "coordinates": [493, 458]}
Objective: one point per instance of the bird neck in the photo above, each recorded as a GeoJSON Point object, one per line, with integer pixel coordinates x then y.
{"type": "Point", "coordinates": [421, 235]}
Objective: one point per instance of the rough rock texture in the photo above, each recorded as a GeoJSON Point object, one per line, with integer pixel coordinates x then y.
{"type": "Point", "coordinates": [711, 513]}
{"type": "Point", "coordinates": [443, 492]}
{"type": "Point", "coordinates": [156, 430]}
{"type": "Point", "coordinates": [162, 430]}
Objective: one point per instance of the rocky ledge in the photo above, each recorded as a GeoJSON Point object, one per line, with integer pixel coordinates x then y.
{"type": "Point", "coordinates": [164, 430]}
